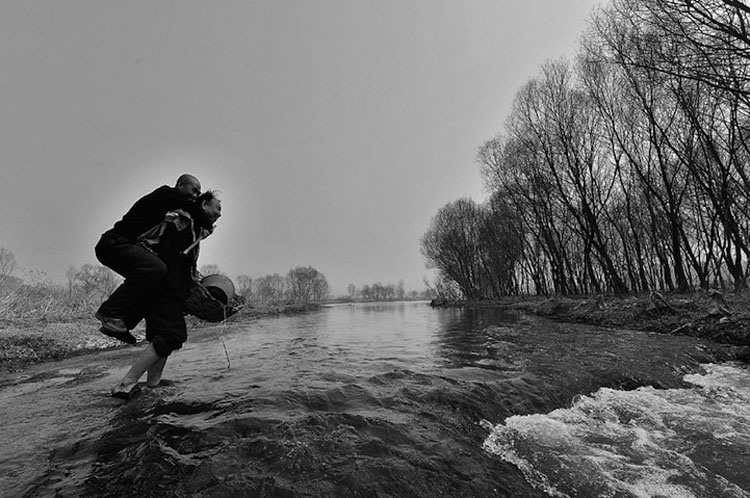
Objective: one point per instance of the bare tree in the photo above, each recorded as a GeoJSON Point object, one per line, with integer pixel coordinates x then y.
{"type": "Point", "coordinates": [476, 246]}
{"type": "Point", "coordinates": [91, 282]}
{"type": "Point", "coordinates": [685, 65]}
{"type": "Point", "coordinates": [306, 284]}
{"type": "Point", "coordinates": [7, 264]}
{"type": "Point", "coordinates": [269, 288]}
{"type": "Point", "coordinates": [633, 170]}
{"type": "Point", "coordinates": [707, 41]}
{"type": "Point", "coordinates": [366, 292]}
{"type": "Point", "coordinates": [451, 245]}
{"type": "Point", "coordinates": [351, 289]}
{"type": "Point", "coordinates": [245, 286]}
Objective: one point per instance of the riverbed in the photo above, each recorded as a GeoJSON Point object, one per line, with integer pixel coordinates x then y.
{"type": "Point", "coordinates": [387, 400]}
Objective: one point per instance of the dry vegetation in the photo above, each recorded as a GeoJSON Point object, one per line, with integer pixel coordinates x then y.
{"type": "Point", "coordinates": [720, 317]}
{"type": "Point", "coordinates": [45, 322]}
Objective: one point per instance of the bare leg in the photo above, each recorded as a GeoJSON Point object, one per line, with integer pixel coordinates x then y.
{"type": "Point", "coordinates": [144, 361]}
{"type": "Point", "coordinates": [154, 372]}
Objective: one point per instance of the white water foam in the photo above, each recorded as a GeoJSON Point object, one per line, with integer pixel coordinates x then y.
{"type": "Point", "coordinates": [676, 443]}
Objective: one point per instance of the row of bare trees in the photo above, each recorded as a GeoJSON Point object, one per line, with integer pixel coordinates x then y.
{"type": "Point", "coordinates": [91, 284]}
{"type": "Point", "coordinates": [36, 297]}
{"type": "Point", "coordinates": [85, 284]}
{"type": "Point", "coordinates": [88, 285]}
{"type": "Point", "coordinates": [625, 170]}
{"type": "Point", "coordinates": [475, 246]}
{"type": "Point", "coordinates": [378, 292]}
{"type": "Point", "coordinates": [300, 285]}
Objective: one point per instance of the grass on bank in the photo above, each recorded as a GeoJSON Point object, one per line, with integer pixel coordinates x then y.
{"type": "Point", "coordinates": [39, 323]}
{"type": "Point", "coordinates": [721, 317]}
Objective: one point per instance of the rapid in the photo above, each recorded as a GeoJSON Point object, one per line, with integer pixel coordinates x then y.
{"type": "Point", "coordinates": [388, 400]}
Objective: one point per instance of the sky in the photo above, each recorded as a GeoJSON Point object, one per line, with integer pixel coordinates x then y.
{"type": "Point", "coordinates": [333, 130]}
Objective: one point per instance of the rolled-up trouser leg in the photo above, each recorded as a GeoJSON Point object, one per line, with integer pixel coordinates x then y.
{"type": "Point", "coordinates": [143, 271]}
{"type": "Point", "coordinates": [165, 324]}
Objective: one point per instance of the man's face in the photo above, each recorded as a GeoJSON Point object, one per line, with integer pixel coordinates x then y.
{"type": "Point", "coordinates": [212, 210]}
{"type": "Point", "coordinates": [190, 189]}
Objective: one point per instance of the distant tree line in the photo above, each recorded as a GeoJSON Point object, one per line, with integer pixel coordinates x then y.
{"type": "Point", "coordinates": [300, 285]}
{"type": "Point", "coordinates": [91, 284]}
{"type": "Point", "coordinates": [381, 292]}
{"type": "Point", "coordinates": [626, 170]}
{"type": "Point", "coordinates": [36, 297]}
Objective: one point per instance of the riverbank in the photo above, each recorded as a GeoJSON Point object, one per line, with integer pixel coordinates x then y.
{"type": "Point", "coordinates": [724, 318]}
{"type": "Point", "coordinates": [721, 317]}
{"type": "Point", "coordinates": [29, 341]}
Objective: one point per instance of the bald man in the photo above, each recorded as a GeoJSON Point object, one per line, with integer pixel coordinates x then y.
{"type": "Point", "coordinates": [123, 250]}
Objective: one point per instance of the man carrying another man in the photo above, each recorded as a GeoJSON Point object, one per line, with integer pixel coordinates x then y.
{"type": "Point", "coordinates": [121, 248]}
{"type": "Point", "coordinates": [159, 263]}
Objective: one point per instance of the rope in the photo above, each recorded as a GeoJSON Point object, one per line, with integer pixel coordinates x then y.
{"type": "Point", "coordinates": [221, 336]}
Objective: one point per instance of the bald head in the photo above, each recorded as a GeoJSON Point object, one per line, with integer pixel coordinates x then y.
{"type": "Point", "coordinates": [189, 186]}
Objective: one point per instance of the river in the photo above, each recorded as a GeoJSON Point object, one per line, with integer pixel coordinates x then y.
{"type": "Point", "coordinates": [388, 400]}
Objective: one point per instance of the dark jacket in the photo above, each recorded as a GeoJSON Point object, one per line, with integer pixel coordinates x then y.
{"type": "Point", "coordinates": [149, 211]}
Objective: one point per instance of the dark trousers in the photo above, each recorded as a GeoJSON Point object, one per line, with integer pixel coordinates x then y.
{"type": "Point", "coordinates": [144, 273]}
{"type": "Point", "coordinates": [165, 323]}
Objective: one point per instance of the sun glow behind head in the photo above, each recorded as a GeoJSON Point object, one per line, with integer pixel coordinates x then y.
{"type": "Point", "coordinates": [236, 181]}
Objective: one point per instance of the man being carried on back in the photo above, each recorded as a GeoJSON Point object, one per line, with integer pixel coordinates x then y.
{"type": "Point", "coordinates": [125, 249]}
{"type": "Point", "coordinates": [175, 241]}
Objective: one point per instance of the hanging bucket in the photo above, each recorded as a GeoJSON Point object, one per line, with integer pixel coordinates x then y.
{"type": "Point", "coordinates": [213, 299]}
{"type": "Point", "coordinates": [220, 287]}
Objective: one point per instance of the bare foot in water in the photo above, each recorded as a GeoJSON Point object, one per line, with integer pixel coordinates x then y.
{"type": "Point", "coordinates": [153, 378]}
{"type": "Point", "coordinates": [125, 391]}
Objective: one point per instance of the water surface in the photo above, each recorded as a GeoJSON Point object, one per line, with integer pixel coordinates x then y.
{"type": "Point", "coordinates": [387, 400]}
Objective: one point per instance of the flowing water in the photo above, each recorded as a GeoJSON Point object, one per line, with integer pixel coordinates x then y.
{"type": "Point", "coordinates": [388, 400]}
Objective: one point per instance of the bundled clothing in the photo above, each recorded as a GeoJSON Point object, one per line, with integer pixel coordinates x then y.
{"type": "Point", "coordinates": [164, 310]}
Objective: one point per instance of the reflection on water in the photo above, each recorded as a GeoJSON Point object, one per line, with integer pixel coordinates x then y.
{"type": "Point", "coordinates": [363, 400]}
{"type": "Point", "coordinates": [387, 336]}
{"type": "Point", "coordinates": [464, 337]}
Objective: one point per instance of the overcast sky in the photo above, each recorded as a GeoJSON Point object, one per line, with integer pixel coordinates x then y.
{"type": "Point", "coordinates": [334, 129]}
